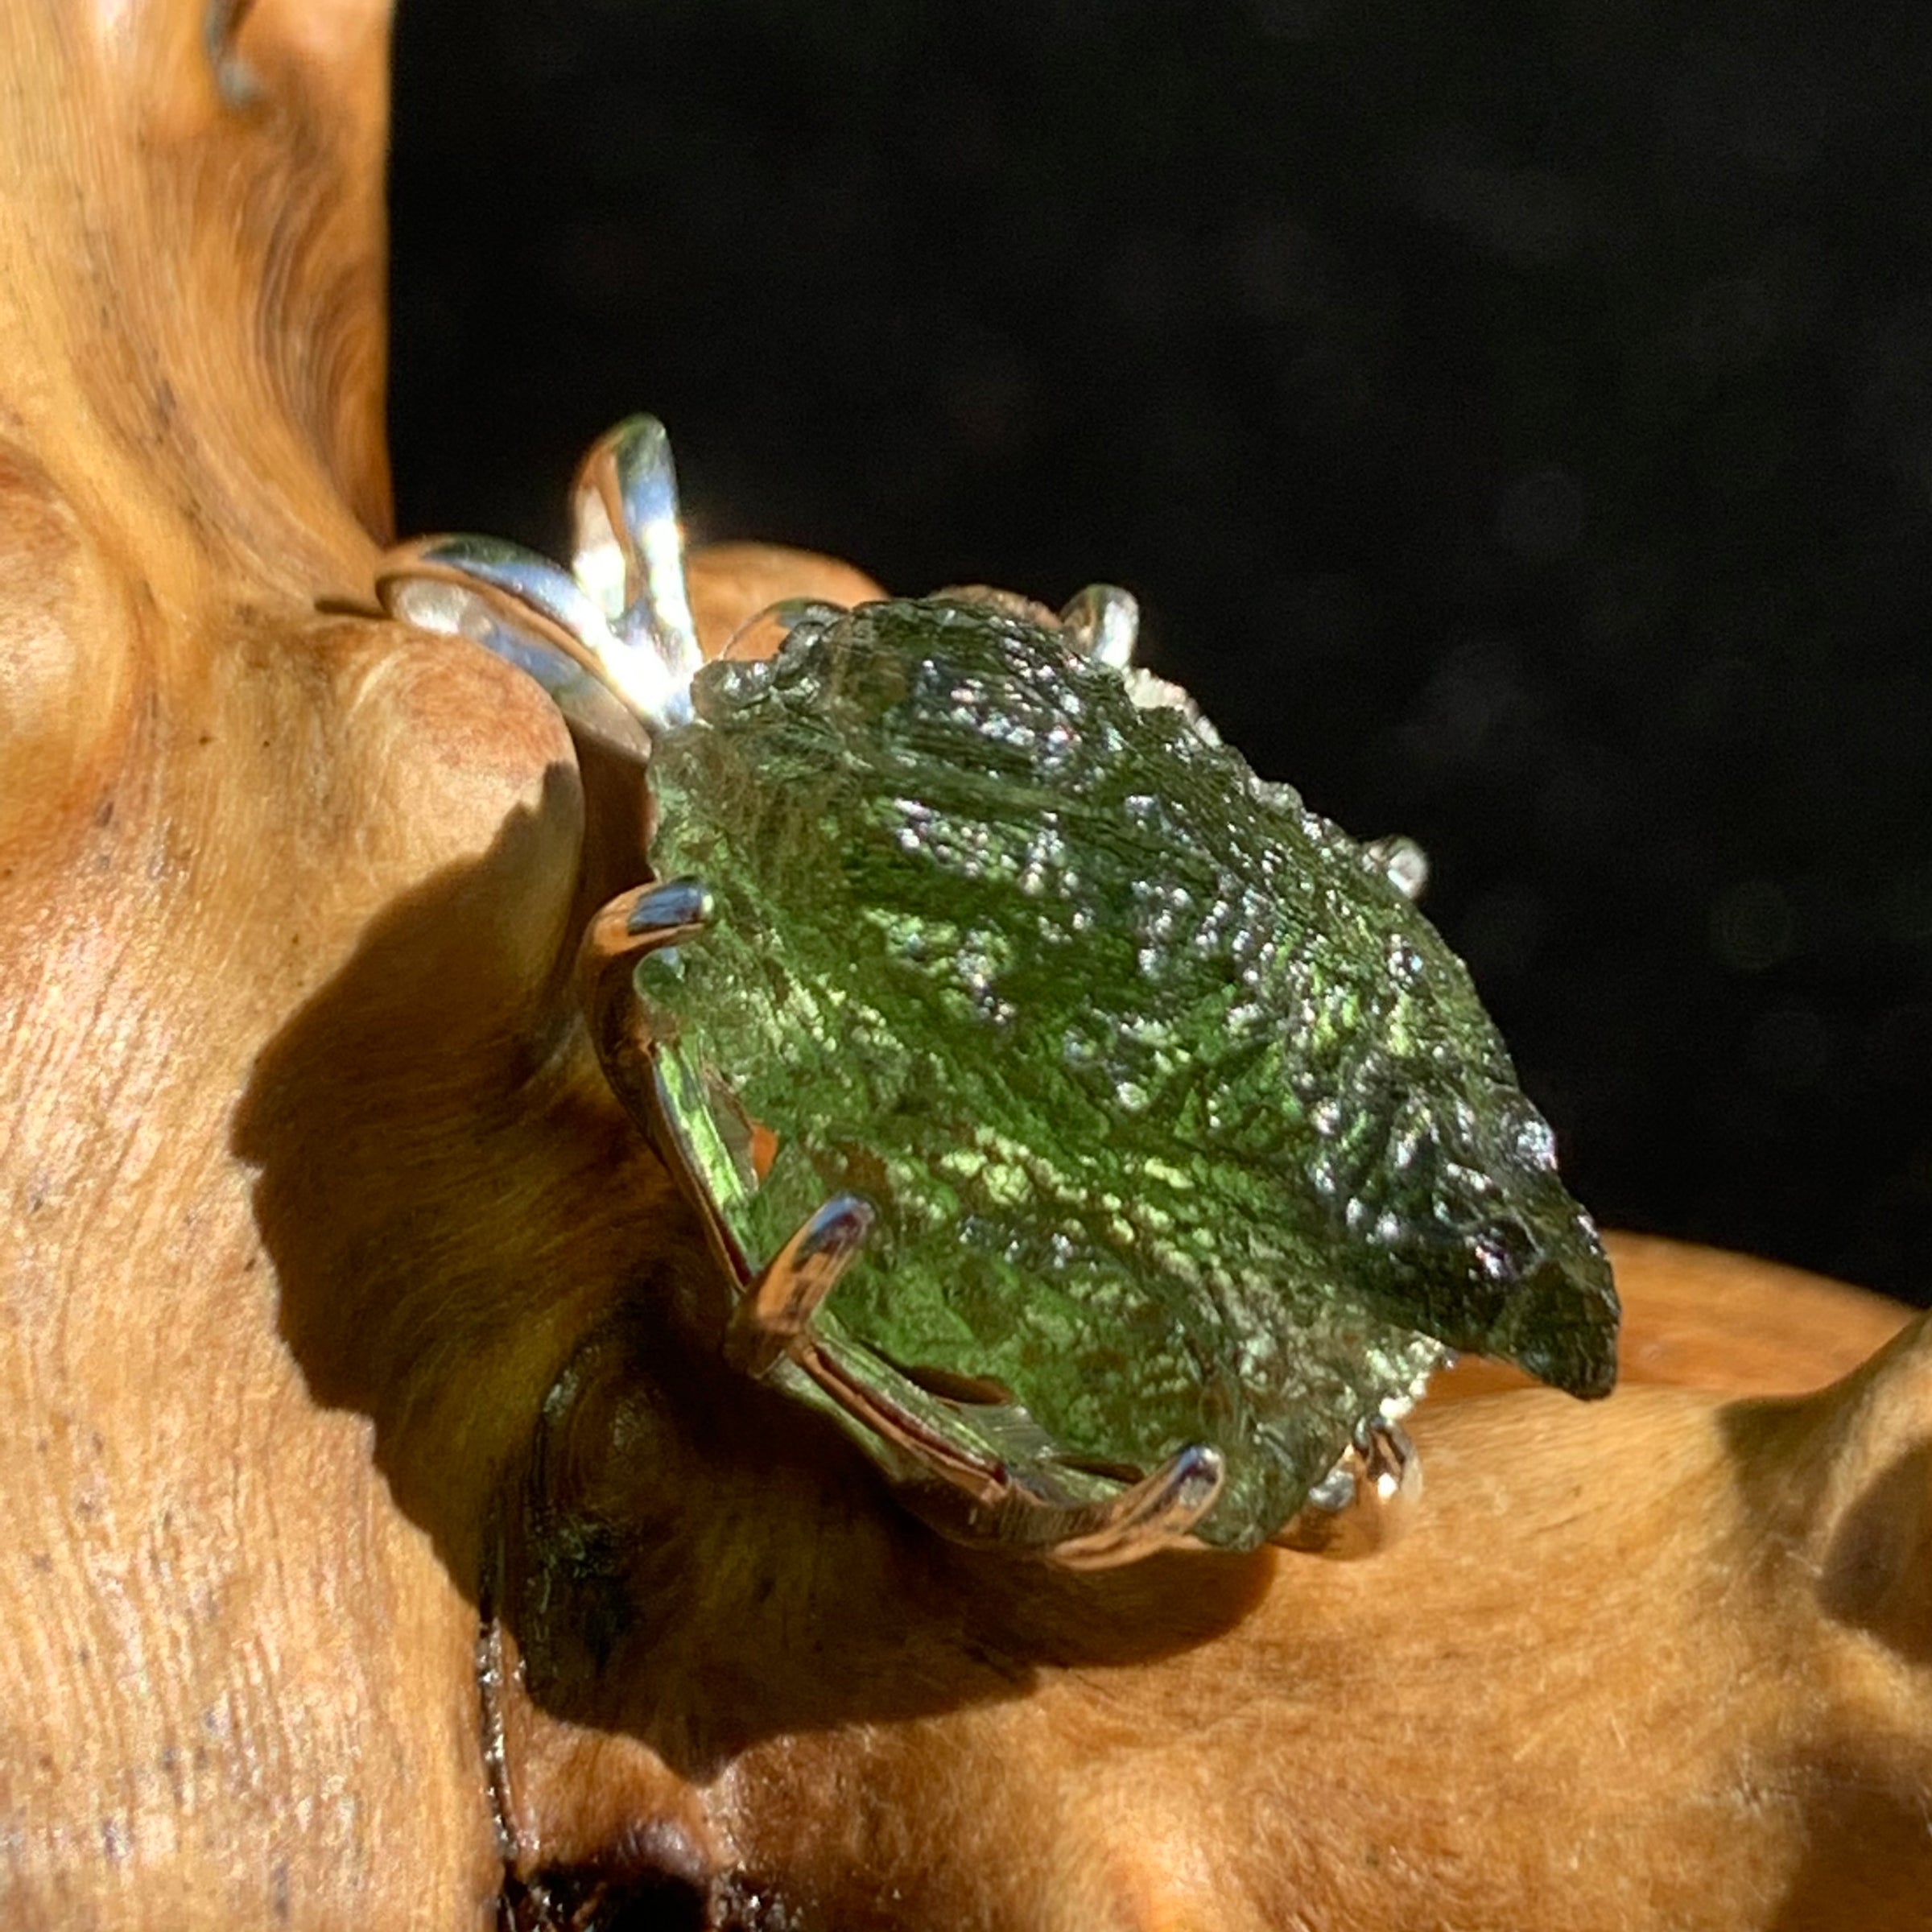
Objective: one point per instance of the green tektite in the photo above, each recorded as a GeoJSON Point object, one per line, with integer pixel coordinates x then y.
{"type": "Point", "coordinates": [1182, 1124]}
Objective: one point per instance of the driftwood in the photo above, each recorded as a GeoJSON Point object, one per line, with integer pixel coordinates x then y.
{"type": "Point", "coordinates": [377, 1551]}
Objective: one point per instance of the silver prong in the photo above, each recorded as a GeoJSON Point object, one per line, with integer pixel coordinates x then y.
{"type": "Point", "coordinates": [629, 554]}
{"type": "Point", "coordinates": [425, 580]}
{"type": "Point", "coordinates": [619, 619]}
{"type": "Point", "coordinates": [645, 920]}
{"type": "Point", "coordinates": [762, 635]}
{"type": "Point", "coordinates": [1160, 1508]}
{"type": "Point", "coordinates": [912, 1432]}
{"type": "Point", "coordinates": [670, 911]}
{"type": "Point", "coordinates": [665, 913]}
{"type": "Point", "coordinates": [989, 1474]}
{"type": "Point", "coordinates": [1363, 1504]}
{"type": "Point", "coordinates": [779, 1304]}
{"type": "Point", "coordinates": [1102, 621]}
{"type": "Point", "coordinates": [1402, 861]}
{"type": "Point", "coordinates": [521, 608]}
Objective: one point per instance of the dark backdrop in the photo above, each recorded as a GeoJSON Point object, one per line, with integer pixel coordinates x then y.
{"type": "Point", "coordinates": [1515, 420]}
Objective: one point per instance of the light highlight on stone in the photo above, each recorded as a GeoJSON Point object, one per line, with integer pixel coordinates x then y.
{"type": "Point", "coordinates": [1181, 1122]}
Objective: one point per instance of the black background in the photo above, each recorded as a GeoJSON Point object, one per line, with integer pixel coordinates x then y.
{"type": "Point", "coordinates": [1516, 422]}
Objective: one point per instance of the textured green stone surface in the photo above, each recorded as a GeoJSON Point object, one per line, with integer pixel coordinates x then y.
{"type": "Point", "coordinates": [1182, 1123]}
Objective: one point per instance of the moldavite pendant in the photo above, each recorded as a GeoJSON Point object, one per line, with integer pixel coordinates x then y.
{"type": "Point", "coordinates": [1102, 1138]}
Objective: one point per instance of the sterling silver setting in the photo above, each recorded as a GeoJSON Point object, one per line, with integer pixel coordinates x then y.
{"type": "Point", "coordinates": [611, 639]}
{"type": "Point", "coordinates": [1365, 1502]}
{"type": "Point", "coordinates": [975, 1463]}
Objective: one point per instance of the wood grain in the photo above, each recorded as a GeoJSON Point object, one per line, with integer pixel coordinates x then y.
{"type": "Point", "coordinates": [345, 1324]}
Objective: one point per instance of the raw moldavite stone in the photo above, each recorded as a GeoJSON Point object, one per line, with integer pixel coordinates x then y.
{"type": "Point", "coordinates": [1181, 1123]}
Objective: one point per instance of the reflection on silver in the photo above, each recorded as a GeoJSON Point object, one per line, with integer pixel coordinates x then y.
{"type": "Point", "coordinates": [1104, 623]}
{"type": "Point", "coordinates": [1403, 861]}
{"type": "Point", "coordinates": [760, 635]}
{"type": "Point", "coordinates": [526, 610]}
{"type": "Point", "coordinates": [671, 910]}
{"type": "Point", "coordinates": [982, 1471]}
{"type": "Point", "coordinates": [1160, 1509]}
{"type": "Point", "coordinates": [1363, 1504]}
{"type": "Point", "coordinates": [611, 640]}
{"type": "Point", "coordinates": [778, 1307]}
{"type": "Point", "coordinates": [629, 554]}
